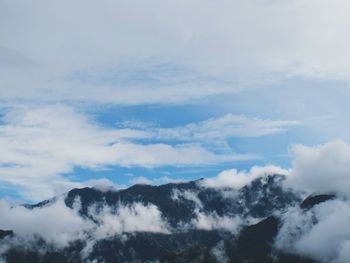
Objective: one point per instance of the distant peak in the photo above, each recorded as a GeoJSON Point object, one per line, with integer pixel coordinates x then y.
{"type": "Point", "coordinates": [313, 200]}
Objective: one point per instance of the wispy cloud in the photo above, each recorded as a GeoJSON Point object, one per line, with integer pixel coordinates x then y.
{"type": "Point", "coordinates": [40, 144]}
{"type": "Point", "coordinates": [224, 128]}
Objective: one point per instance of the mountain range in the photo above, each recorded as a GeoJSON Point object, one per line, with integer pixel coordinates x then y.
{"type": "Point", "coordinates": [175, 222]}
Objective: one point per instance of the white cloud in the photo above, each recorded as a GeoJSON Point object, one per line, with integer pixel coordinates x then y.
{"type": "Point", "coordinates": [237, 179]}
{"type": "Point", "coordinates": [188, 195]}
{"type": "Point", "coordinates": [225, 127]}
{"type": "Point", "coordinates": [214, 221]}
{"type": "Point", "coordinates": [211, 131]}
{"type": "Point", "coordinates": [152, 155]}
{"type": "Point", "coordinates": [206, 220]}
{"type": "Point", "coordinates": [155, 181]}
{"type": "Point", "coordinates": [45, 45]}
{"type": "Point", "coordinates": [134, 218]}
{"type": "Point", "coordinates": [102, 184]}
{"type": "Point", "coordinates": [323, 168]}
{"type": "Point", "coordinates": [30, 224]}
{"type": "Point", "coordinates": [321, 234]}
{"type": "Point", "coordinates": [42, 222]}
{"type": "Point", "coordinates": [40, 144]}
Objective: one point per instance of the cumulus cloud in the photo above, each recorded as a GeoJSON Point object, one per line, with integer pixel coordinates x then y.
{"type": "Point", "coordinates": [321, 234]}
{"type": "Point", "coordinates": [322, 168]}
{"type": "Point", "coordinates": [237, 179]}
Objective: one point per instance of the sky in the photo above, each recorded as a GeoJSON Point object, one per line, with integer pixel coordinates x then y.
{"type": "Point", "coordinates": [124, 92]}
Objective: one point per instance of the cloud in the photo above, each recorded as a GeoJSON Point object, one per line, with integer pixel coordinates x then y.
{"type": "Point", "coordinates": [211, 221]}
{"type": "Point", "coordinates": [102, 184]}
{"type": "Point", "coordinates": [134, 218]}
{"type": "Point", "coordinates": [211, 131]}
{"type": "Point", "coordinates": [40, 144]}
{"type": "Point", "coordinates": [238, 179]}
{"type": "Point", "coordinates": [155, 181]}
{"type": "Point", "coordinates": [244, 42]}
{"type": "Point", "coordinates": [219, 253]}
{"type": "Point", "coordinates": [30, 224]}
{"type": "Point", "coordinates": [43, 223]}
{"type": "Point", "coordinates": [225, 127]}
{"type": "Point", "coordinates": [206, 220]}
{"type": "Point", "coordinates": [321, 234]}
{"type": "Point", "coordinates": [323, 168]}
{"type": "Point", "coordinates": [153, 155]}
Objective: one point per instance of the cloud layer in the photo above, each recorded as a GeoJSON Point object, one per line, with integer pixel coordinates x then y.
{"type": "Point", "coordinates": [54, 51]}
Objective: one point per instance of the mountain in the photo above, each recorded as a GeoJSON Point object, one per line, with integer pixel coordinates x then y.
{"type": "Point", "coordinates": [5, 233]}
{"type": "Point", "coordinates": [176, 222]}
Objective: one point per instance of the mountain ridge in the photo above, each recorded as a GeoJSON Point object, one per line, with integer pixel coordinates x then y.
{"type": "Point", "coordinates": [195, 224]}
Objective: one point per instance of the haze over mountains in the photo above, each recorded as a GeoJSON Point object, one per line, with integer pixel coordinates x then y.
{"type": "Point", "coordinates": [263, 221]}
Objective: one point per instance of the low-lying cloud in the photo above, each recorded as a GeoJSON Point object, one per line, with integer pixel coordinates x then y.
{"type": "Point", "coordinates": [29, 225]}
{"type": "Point", "coordinates": [323, 168]}
{"type": "Point", "coordinates": [237, 179]}
{"type": "Point", "coordinates": [322, 233]}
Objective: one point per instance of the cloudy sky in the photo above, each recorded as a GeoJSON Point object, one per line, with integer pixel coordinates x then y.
{"type": "Point", "coordinates": [122, 92]}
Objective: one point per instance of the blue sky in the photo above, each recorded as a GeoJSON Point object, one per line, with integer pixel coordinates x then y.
{"type": "Point", "coordinates": [158, 91]}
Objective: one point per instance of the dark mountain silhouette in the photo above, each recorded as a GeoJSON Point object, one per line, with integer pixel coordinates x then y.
{"type": "Point", "coordinates": [313, 200]}
{"type": "Point", "coordinates": [5, 233]}
{"type": "Point", "coordinates": [258, 201]}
